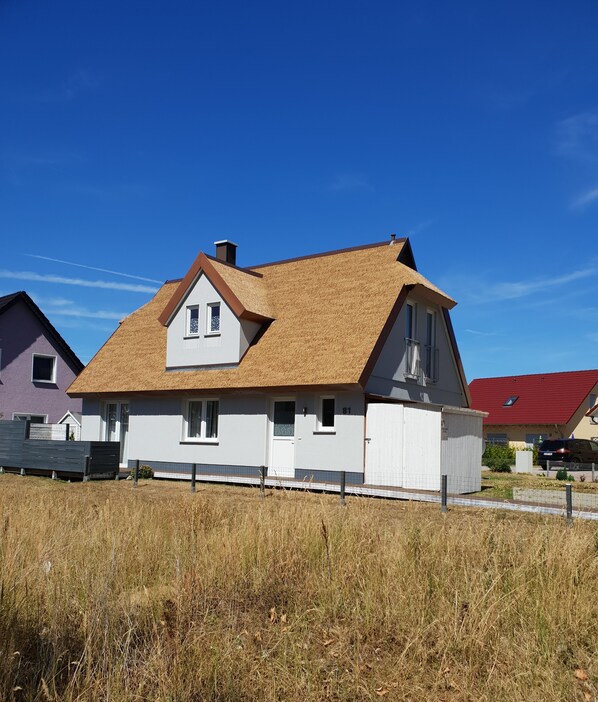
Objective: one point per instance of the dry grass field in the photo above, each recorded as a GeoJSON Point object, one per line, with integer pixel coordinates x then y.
{"type": "Point", "coordinates": [116, 594]}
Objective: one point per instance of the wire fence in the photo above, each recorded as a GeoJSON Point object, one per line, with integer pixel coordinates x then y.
{"type": "Point", "coordinates": [536, 494]}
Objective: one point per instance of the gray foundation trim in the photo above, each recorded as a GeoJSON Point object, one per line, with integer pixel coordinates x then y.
{"type": "Point", "coordinates": [328, 476]}
{"type": "Point", "coordinates": [184, 469]}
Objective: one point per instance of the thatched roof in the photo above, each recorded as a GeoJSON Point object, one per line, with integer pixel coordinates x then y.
{"type": "Point", "coordinates": [330, 314]}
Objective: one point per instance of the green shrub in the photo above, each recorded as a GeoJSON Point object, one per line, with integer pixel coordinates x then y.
{"type": "Point", "coordinates": [499, 457]}
{"type": "Point", "coordinates": [562, 474]}
{"type": "Point", "coordinates": [145, 472]}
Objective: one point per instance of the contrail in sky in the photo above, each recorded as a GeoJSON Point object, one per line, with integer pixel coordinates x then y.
{"type": "Point", "coordinates": [92, 268]}
{"type": "Point", "coordinates": [105, 284]}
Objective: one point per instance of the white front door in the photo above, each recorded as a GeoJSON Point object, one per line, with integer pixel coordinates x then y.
{"type": "Point", "coordinates": [384, 445]}
{"type": "Point", "coordinates": [282, 439]}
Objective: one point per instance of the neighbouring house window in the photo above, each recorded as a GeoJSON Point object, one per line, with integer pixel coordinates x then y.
{"type": "Point", "coordinates": [532, 440]}
{"type": "Point", "coordinates": [326, 413]}
{"type": "Point", "coordinates": [497, 439]}
{"type": "Point", "coordinates": [192, 327]}
{"type": "Point", "coordinates": [510, 401]}
{"type": "Point", "coordinates": [592, 396]}
{"type": "Point", "coordinates": [213, 318]}
{"type": "Point", "coordinates": [201, 420]}
{"type": "Point", "coordinates": [44, 369]}
{"type": "Point", "coordinates": [33, 418]}
{"type": "Point", "coordinates": [431, 351]}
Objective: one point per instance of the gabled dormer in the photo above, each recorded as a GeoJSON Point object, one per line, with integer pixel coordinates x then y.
{"type": "Point", "coordinates": [215, 313]}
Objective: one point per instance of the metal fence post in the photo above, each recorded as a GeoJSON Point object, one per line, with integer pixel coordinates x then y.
{"type": "Point", "coordinates": [263, 481]}
{"type": "Point", "coordinates": [136, 474]}
{"type": "Point", "coordinates": [193, 476]}
{"type": "Point", "coordinates": [22, 472]}
{"type": "Point", "coordinates": [27, 428]}
{"type": "Point", "coordinates": [569, 498]}
{"type": "Point", "coordinates": [343, 484]}
{"type": "Point", "coordinates": [593, 472]}
{"type": "Point", "coordinates": [443, 494]}
{"type": "Point", "coordinates": [86, 469]}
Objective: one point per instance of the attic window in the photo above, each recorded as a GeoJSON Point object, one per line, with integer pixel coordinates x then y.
{"type": "Point", "coordinates": [511, 401]}
{"type": "Point", "coordinates": [213, 318]}
{"type": "Point", "coordinates": [192, 320]}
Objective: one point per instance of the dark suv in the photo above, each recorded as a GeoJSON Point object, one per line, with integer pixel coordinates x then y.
{"type": "Point", "coordinates": [567, 451]}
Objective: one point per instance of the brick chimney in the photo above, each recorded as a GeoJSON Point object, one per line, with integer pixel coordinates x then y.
{"type": "Point", "coordinates": [226, 251]}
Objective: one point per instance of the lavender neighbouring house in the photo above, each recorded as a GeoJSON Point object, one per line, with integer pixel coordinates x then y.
{"type": "Point", "coordinates": [36, 364]}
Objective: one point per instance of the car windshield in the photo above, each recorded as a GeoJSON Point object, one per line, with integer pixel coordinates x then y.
{"type": "Point", "coordinates": [552, 445]}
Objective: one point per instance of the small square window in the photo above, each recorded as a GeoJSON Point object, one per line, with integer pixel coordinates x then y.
{"type": "Point", "coordinates": [213, 318]}
{"type": "Point", "coordinates": [326, 414]}
{"type": "Point", "coordinates": [510, 401]}
{"type": "Point", "coordinates": [44, 369]}
{"type": "Point", "coordinates": [192, 327]}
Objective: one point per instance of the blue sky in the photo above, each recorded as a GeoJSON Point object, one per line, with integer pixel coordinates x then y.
{"type": "Point", "coordinates": [133, 135]}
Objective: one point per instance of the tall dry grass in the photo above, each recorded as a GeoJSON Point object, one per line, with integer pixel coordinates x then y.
{"type": "Point", "coordinates": [111, 593]}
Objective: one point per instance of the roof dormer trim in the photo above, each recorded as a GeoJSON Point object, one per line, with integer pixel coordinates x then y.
{"type": "Point", "coordinates": [203, 264]}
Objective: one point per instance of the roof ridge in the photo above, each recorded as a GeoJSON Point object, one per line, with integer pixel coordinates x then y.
{"type": "Point", "coordinates": [334, 252]}
{"type": "Point", "coordinates": [535, 375]}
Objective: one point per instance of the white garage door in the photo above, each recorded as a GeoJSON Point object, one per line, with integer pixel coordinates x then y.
{"type": "Point", "coordinates": [384, 445]}
{"type": "Point", "coordinates": [403, 446]}
{"type": "Point", "coordinates": [422, 441]}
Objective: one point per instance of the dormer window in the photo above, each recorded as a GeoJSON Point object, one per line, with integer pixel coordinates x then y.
{"type": "Point", "coordinates": [510, 401]}
{"type": "Point", "coordinates": [213, 318]}
{"type": "Point", "coordinates": [192, 326]}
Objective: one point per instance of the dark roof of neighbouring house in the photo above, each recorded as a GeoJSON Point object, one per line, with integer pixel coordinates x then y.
{"type": "Point", "coordinates": [325, 318]}
{"type": "Point", "coordinates": [542, 398]}
{"type": "Point", "coordinates": [67, 352]}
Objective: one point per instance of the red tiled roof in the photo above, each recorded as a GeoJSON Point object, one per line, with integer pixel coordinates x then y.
{"type": "Point", "coordinates": [544, 398]}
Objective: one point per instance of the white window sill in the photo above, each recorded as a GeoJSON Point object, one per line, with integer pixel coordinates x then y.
{"type": "Point", "coordinates": [47, 382]}
{"type": "Point", "coordinates": [212, 333]}
{"type": "Point", "coordinates": [210, 442]}
{"type": "Point", "coordinates": [325, 431]}
{"type": "Point", "coordinates": [191, 336]}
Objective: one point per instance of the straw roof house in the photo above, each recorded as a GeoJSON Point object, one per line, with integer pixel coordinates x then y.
{"type": "Point", "coordinates": [274, 364]}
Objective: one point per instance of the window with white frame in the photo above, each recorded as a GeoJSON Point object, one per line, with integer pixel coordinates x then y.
{"type": "Point", "coordinates": [412, 358]}
{"type": "Point", "coordinates": [201, 420]}
{"type": "Point", "coordinates": [431, 350]}
{"type": "Point", "coordinates": [192, 321]}
{"type": "Point", "coordinates": [326, 413]}
{"type": "Point", "coordinates": [213, 318]}
{"type": "Point", "coordinates": [43, 369]}
{"type": "Point", "coordinates": [410, 321]}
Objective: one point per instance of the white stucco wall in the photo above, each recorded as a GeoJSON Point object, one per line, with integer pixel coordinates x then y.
{"type": "Point", "coordinates": [205, 349]}
{"type": "Point", "coordinates": [156, 431]}
{"type": "Point", "coordinates": [341, 450]}
{"type": "Point", "coordinates": [388, 377]}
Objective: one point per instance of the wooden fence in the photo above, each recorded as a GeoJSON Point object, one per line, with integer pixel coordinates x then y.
{"type": "Point", "coordinates": [93, 459]}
